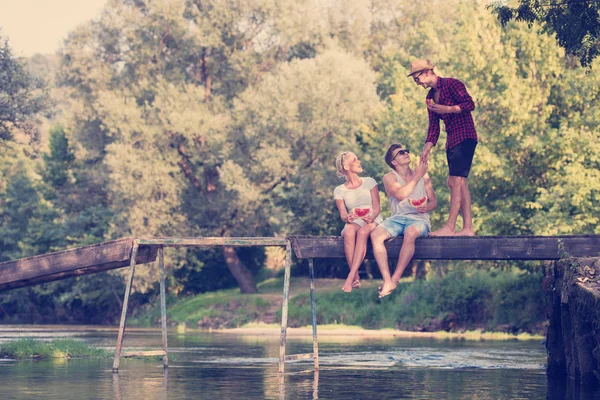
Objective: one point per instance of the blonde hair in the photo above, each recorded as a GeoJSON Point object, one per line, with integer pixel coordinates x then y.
{"type": "Point", "coordinates": [339, 166]}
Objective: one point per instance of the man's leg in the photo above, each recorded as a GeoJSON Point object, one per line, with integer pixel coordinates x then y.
{"type": "Point", "coordinates": [378, 237]}
{"type": "Point", "coordinates": [411, 234]}
{"type": "Point", "coordinates": [465, 208]}
{"type": "Point", "coordinates": [456, 184]}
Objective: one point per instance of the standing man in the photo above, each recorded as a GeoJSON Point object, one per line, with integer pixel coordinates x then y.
{"type": "Point", "coordinates": [411, 198]}
{"type": "Point", "coordinates": [449, 101]}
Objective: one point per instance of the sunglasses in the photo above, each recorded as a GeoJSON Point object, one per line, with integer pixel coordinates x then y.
{"type": "Point", "coordinates": [402, 152]}
{"type": "Point", "coordinates": [416, 77]}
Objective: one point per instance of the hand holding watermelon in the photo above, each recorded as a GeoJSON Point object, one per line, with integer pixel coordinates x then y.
{"type": "Point", "coordinates": [419, 204]}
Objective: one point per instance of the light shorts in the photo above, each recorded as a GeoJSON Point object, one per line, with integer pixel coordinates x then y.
{"type": "Point", "coordinates": [362, 223]}
{"type": "Point", "coordinates": [396, 225]}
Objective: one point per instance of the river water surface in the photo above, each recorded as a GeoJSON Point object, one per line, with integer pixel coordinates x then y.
{"type": "Point", "coordinates": [223, 366]}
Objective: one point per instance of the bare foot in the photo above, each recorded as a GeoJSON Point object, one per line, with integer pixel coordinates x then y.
{"type": "Point", "coordinates": [396, 282]}
{"type": "Point", "coordinates": [347, 286]}
{"type": "Point", "coordinates": [386, 289]}
{"type": "Point", "coordinates": [465, 232]}
{"type": "Point", "coordinates": [443, 231]}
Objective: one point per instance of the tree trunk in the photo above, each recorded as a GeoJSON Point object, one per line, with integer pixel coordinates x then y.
{"type": "Point", "coordinates": [206, 77]}
{"type": "Point", "coordinates": [420, 269]}
{"type": "Point", "coordinates": [242, 275]}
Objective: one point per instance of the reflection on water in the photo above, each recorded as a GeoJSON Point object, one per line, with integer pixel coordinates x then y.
{"type": "Point", "coordinates": [245, 367]}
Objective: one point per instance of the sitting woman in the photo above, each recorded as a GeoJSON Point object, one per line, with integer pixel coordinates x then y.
{"type": "Point", "coordinates": [358, 203]}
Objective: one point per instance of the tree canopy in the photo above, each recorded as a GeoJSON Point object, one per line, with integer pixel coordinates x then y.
{"type": "Point", "coordinates": [21, 96]}
{"type": "Point", "coordinates": [575, 23]}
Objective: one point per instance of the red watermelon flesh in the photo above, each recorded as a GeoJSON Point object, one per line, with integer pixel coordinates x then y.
{"type": "Point", "coordinates": [418, 202]}
{"type": "Point", "coordinates": [362, 212]}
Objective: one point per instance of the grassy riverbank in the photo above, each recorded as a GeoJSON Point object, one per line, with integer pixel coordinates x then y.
{"type": "Point", "coordinates": [482, 301]}
{"type": "Point", "coordinates": [28, 348]}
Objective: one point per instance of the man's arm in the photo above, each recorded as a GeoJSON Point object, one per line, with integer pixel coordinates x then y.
{"type": "Point", "coordinates": [433, 134]}
{"type": "Point", "coordinates": [431, 199]}
{"type": "Point", "coordinates": [461, 97]}
{"type": "Point", "coordinates": [394, 188]}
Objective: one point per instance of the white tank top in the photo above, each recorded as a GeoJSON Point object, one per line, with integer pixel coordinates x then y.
{"type": "Point", "coordinates": [404, 208]}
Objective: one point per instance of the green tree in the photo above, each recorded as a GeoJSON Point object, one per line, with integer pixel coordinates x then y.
{"type": "Point", "coordinates": [153, 87]}
{"type": "Point", "coordinates": [21, 96]}
{"type": "Point", "coordinates": [535, 169]}
{"type": "Point", "coordinates": [574, 23]}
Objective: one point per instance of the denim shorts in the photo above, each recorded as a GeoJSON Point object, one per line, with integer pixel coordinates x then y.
{"type": "Point", "coordinates": [396, 225]}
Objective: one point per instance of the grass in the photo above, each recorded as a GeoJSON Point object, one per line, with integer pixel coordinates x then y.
{"type": "Point", "coordinates": [474, 303]}
{"type": "Point", "coordinates": [28, 348]}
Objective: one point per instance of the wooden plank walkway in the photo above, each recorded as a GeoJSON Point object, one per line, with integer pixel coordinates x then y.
{"type": "Point", "coordinates": [73, 262]}
{"type": "Point", "coordinates": [462, 248]}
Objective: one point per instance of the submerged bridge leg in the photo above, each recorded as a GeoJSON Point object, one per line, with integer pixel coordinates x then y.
{"type": "Point", "coordinates": [163, 304]}
{"type": "Point", "coordinates": [313, 306]}
{"type": "Point", "coordinates": [284, 306]}
{"type": "Point", "coordinates": [116, 360]}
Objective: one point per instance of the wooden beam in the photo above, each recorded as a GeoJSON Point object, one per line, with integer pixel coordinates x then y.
{"type": "Point", "coordinates": [144, 353]}
{"type": "Point", "coordinates": [213, 241]}
{"type": "Point", "coordinates": [73, 262]}
{"type": "Point", "coordinates": [462, 248]}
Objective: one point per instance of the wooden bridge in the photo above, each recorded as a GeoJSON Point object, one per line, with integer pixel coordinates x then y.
{"type": "Point", "coordinates": [131, 251]}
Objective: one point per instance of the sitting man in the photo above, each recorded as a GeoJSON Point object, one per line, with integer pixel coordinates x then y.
{"type": "Point", "coordinates": [411, 197]}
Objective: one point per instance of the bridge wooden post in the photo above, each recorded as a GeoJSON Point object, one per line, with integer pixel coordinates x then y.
{"type": "Point", "coordinates": [163, 304]}
{"type": "Point", "coordinates": [313, 307]}
{"type": "Point", "coordinates": [284, 306]}
{"type": "Point", "coordinates": [116, 360]}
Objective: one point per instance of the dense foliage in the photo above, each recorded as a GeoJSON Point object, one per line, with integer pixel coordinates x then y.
{"type": "Point", "coordinates": [574, 23]}
{"type": "Point", "coordinates": [21, 96]}
{"type": "Point", "coordinates": [185, 118]}
{"type": "Point", "coordinates": [509, 301]}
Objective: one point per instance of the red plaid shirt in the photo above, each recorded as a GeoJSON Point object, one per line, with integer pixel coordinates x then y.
{"type": "Point", "coordinates": [458, 126]}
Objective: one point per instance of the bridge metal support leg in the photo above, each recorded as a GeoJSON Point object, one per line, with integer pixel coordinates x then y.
{"type": "Point", "coordinates": [163, 304]}
{"type": "Point", "coordinates": [116, 360]}
{"type": "Point", "coordinates": [284, 306]}
{"type": "Point", "coordinates": [313, 306]}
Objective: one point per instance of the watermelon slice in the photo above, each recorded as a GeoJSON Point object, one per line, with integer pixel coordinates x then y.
{"type": "Point", "coordinates": [418, 202]}
{"type": "Point", "coordinates": [362, 212]}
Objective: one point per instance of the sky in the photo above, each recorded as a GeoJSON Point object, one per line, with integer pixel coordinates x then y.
{"type": "Point", "coordinates": [39, 26]}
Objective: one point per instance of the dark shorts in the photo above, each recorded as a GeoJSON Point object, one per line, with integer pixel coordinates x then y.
{"type": "Point", "coordinates": [460, 158]}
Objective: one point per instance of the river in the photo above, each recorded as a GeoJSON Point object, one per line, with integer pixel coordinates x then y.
{"type": "Point", "coordinates": [222, 366]}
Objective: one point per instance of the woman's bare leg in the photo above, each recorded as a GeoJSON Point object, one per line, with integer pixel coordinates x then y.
{"type": "Point", "coordinates": [360, 250]}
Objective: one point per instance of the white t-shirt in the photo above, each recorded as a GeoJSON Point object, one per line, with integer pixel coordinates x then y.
{"type": "Point", "coordinates": [359, 197]}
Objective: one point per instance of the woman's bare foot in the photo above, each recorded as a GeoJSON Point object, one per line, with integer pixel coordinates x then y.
{"type": "Point", "coordinates": [443, 231]}
{"type": "Point", "coordinates": [348, 285]}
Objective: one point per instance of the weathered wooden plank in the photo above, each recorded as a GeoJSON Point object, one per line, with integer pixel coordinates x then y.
{"type": "Point", "coordinates": [144, 353]}
{"type": "Point", "coordinates": [73, 262]}
{"type": "Point", "coordinates": [214, 241]}
{"type": "Point", "coordinates": [462, 248]}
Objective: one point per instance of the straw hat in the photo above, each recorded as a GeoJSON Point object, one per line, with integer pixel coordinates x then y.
{"type": "Point", "coordinates": [420, 65]}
